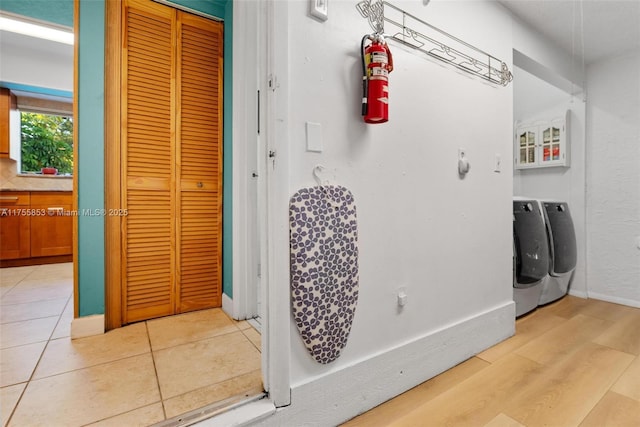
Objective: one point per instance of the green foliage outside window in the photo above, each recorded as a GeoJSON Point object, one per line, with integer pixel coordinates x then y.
{"type": "Point", "coordinates": [47, 141]}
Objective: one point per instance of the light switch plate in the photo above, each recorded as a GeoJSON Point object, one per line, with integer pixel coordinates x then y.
{"type": "Point", "coordinates": [314, 137]}
{"type": "Point", "coordinates": [319, 9]}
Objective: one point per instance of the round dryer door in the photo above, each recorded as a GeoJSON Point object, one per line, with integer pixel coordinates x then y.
{"type": "Point", "coordinates": [562, 237]}
{"type": "Point", "coordinates": [530, 241]}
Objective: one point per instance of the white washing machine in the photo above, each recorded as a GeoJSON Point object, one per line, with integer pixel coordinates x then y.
{"type": "Point", "coordinates": [530, 254]}
{"type": "Point", "coordinates": [562, 250]}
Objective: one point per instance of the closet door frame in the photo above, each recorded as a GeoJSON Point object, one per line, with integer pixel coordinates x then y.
{"type": "Point", "coordinates": [114, 191]}
{"type": "Point", "coordinates": [113, 155]}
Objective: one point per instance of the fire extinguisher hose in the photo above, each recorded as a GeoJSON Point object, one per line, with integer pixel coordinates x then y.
{"type": "Point", "coordinates": [365, 80]}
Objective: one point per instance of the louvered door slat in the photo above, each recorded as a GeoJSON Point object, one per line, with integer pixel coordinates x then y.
{"type": "Point", "coordinates": [148, 281]}
{"type": "Point", "coordinates": [200, 175]}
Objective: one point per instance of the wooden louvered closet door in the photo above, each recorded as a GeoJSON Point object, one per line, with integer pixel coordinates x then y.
{"type": "Point", "coordinates": [200, 160]}
{"type": "Point", "coordinates": [171, 161]}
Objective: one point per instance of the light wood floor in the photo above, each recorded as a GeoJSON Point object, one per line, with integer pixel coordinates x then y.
{"type": "Point", "coordinates": [574, 362]}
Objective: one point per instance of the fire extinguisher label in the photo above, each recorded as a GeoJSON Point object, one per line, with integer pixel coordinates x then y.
{"type": "Point", "coordinates": [378, 71]}
{"type": "Point", "coordinates": [379, 57]}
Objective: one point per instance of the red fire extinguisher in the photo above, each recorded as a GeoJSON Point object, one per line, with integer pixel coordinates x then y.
{"type": "Point", "coordinates": [377, 63]}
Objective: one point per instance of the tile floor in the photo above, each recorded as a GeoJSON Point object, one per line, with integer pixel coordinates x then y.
{"type": "Point", "coordinates": [137, 375]}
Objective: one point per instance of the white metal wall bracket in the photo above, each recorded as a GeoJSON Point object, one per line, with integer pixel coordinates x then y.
{"type": "Point", "coordinates": [393, 22]}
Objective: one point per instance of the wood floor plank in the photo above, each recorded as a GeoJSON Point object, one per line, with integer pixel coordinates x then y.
{"type": "Point", "coordinates": [564, 394]}
{"type": "Point", "coordinates": [614, 410]}
{"type": "Point", "coordinates": [606, 310]}
{"type": "Point", "coordinates": [566, 307]}
{"type": "Point", "coordinates": [558, 343]}
{"type": "Point", "coordinates": [527, 328]}
{"type": "Point", "coordinates": [624, 335]}
{"type": "Point", "coordinates": [629, 382]}
{"type": "Point", "coordinates": [503, 420]}
{"type": "Point", "coordinates": [551, 373]}
{"type": "Point", "coordinates": [478, 399]}
{"type": "Point", "coordinates": [384, 414]}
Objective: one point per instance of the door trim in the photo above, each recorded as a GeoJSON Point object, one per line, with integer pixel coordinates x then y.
{"type": "Point", "coordinates": [245, 137]}
{"type": "Point", "coordinates": [113, 186]}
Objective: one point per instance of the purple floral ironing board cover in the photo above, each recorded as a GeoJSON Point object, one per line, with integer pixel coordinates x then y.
{"type": "Point", "coordinates": [324, 267]}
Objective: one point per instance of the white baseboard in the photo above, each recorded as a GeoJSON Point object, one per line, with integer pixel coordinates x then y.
{"type": "Point", "coordinates": [615, 300]}
{"type": "Point", "coordinates": [579, 294]}
{"type": "Point", "coordinates": [227, 305]}
{"type": "Point", "coordinates": [87, 326]}
{"type": "Point", "coordinates": [357, 388]}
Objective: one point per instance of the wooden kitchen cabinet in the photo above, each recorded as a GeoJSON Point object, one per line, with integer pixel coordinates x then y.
{"type": "Point", "coordinates": [35, 225]}
{"type": "Point", "coordinates": [14, 225]}
{"type": "Point", "coordinates": [51, 233]}
{"type": "Point", "coordinates": [8, 104]}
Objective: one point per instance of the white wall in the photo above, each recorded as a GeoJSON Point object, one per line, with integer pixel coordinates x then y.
{"type": "Point", "coordinates": [445, 239]}
{"type": "Point", "coordinates": [540, 56]}
{"type": "Point", "coordinates": [36, 62]}
{"type": "Point", "coordinates": [532, 95]}
{"type": "Point", "coordinates": [613, 179]}
{"type": "Point", "coordinates": [536, 99]}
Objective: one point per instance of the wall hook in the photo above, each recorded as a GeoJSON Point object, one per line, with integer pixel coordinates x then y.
{"type": "Point", "coordinates": [317, 170]}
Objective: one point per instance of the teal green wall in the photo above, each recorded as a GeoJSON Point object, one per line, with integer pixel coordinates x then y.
{"type": "Point", "coordinates": [90, 163]}
{"type": "Point", "coordinates": [227, 214]}
{"type": "Point", "coordinates": [216, 8]}
{"type": "Point", "coordinates": [37, 89]}
{"type": "Point", "coordinates": [57, 11]}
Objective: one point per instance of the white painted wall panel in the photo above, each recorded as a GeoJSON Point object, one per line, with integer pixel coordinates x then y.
{"type": "Point", "coordinates": [446, 239]}
{"type": "Point", "coordinates": [613, 179]}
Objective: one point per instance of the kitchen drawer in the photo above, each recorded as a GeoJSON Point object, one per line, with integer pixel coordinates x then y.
{"type": "Point", "coordinates": [44, 199]}
{"type": "Point", "coordinates": [14, 198]}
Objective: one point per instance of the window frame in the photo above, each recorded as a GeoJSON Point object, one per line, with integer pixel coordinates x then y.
{"type": "Point", "coordinates": [40, 103]}
{"type": "Point", "coordinates": [21, 171]}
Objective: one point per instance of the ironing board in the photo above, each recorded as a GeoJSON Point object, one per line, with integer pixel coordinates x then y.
{"type": "Point", "coordinates": [324, 268]}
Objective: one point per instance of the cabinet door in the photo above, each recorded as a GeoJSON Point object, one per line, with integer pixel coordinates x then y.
{"type": "Point", "coordinates": [14, 225]}
{"type": "Point", "coordinates": [7, 108]}
{"type": "Point", "coordinates": [552, 143]}
{"type": "Point", "coordinates": [526, 152]}
{"type": "Point", "coordinates": [52, 232]}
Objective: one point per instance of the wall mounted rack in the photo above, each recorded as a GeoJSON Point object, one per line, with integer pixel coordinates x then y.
{"type": "Point", "coordinates": [393, 22]}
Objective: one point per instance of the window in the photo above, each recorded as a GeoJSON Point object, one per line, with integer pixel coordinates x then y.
{"type": "Point", "coordinates": [41, 133]}
{"type": "Point", "coordinates": [46, 141]}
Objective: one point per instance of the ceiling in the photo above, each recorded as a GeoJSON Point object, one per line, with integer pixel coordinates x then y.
{"type": "Point", "coordinates": [611, 27]}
